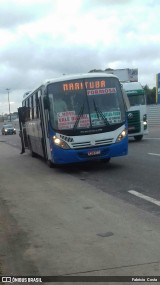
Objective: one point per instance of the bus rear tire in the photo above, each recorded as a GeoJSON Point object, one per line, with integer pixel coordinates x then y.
{"type": "Point", "coordinates": [138, 138]}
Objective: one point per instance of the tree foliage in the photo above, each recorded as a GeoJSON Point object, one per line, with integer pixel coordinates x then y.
{"type": "Point", "coordinates": [150, 95]}
{"type": "Point", "coordinates": [95, 70]}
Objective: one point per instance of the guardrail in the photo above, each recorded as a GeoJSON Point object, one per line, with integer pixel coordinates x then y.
{"type": "Point", "coordinates": [153, 114]}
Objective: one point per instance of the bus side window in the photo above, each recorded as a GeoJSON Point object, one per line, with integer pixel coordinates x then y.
{"type": "Point", "coordinates": [32, 101]}
{"type": "Point", "coordinates": [37, 103]}
{"type": "Point", "coordinates": [27, 102]}
{"type": "Point", "coordinates": [34, 106]}
{"type": "Point", "coordinates": [28, 105]}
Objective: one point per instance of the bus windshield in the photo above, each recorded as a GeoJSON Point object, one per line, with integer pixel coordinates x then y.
{"type": "Point", "coordinates": [85, 103]}
{"type": "Point", "coordinates": [136, 100]}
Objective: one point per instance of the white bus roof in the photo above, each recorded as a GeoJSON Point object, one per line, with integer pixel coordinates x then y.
{"type": "Point", "coordinates": [79, 76]}
{"type": "Point", "coordinates": [129, 86]}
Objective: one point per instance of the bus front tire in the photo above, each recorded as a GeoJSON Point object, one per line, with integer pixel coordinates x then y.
{"type": "Point", "coordinates": [106, 160]}
{"type": "Point", "coordinates": [138, 138]}
{"type": "Point", "coordinates": [50, 164]}
{"type": "Point", "coordinates": [33, 154]}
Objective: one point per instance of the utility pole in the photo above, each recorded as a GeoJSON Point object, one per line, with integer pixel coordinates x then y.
{"type": "Point", "coordinates": [9, 103]}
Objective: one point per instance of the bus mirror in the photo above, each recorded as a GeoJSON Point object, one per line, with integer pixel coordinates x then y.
{"type": "Point", "coordinates": [46, 103]}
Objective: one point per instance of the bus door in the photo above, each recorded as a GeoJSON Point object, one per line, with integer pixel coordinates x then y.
{"type": "Point", "coordinates": [44, 127]}
{"type": "Point", "coordinates": [23, 113]}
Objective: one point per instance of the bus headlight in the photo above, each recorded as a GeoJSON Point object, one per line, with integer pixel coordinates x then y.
{"type": "Point", "coordinates": [60, 143]}
{"type": "Point", "coordinates": [122, 135]}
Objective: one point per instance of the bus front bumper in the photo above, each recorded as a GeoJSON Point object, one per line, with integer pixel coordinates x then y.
{"type": "Point", "coordinates": [63, 156]}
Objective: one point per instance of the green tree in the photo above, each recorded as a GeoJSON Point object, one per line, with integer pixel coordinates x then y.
{"type": "Point", "coordinates": [150, 94]}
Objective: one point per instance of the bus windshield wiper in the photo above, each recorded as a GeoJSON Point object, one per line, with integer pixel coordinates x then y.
{"type": "Point", "coordinates": [80, 114]}
{"type": "Point", "coordinates": [100, 114]}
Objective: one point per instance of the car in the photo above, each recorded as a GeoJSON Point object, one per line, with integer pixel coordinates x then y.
{"type": "Point", "coordinates": [8, 130]}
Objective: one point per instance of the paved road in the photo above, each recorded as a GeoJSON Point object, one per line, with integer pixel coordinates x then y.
{"type": "Point", "coordinates": [139, 172]}
{"type": "Point", "coordinates": [80, 220]}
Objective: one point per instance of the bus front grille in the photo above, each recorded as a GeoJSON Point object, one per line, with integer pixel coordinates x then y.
{"type": "Point", "coordinates": [104, 142]}
{"type": "Point", "coordinates": [96, 143]}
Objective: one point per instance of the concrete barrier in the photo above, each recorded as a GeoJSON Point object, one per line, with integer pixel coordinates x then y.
{"type": "Point", "coordinates": [153, 114]}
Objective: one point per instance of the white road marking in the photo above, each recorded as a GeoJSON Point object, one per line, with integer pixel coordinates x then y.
{"type": "Point", "coordinates": [151, 153]}
{"type": "Point", "coordinates": [147, 198]}
{"type": "Point", "coordinates": [151, 138]}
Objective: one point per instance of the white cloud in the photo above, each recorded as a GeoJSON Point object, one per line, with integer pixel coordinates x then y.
{"type": "Point", "coordinates": [45, 38]}
{"type": "Point", "coordinates": [15, 12]}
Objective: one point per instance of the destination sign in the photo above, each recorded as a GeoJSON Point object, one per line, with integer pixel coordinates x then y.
{"type": "Point", "coordinates": [84, 85]}
{"type": "Point", "coordinates": [101, 91]}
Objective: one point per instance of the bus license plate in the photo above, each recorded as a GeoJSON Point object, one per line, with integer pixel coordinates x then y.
{"type": "Point", "coordinates": [94, 152]}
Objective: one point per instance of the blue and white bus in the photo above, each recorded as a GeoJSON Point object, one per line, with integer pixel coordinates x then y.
{"type": "Point", "coordinates": [74, 119]}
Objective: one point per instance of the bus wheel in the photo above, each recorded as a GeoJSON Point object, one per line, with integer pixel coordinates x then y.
{"type": "Point", "coordinates": [138, 138]}
{"type": "Point", "coordinates": [33, 154]}
{"type": "Point", "coordinates": [50, 164]}
{"type": "Point", "coordinates": [106, 160]}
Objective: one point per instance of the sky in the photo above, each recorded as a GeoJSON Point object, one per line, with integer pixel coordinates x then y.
{"type": "Point", "coordinates": [43, 39]}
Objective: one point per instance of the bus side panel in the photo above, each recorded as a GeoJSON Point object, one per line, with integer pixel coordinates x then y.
{"type": "Point", "coordinates": [36, 144]}
{"type": "Point", "coordinates": [34, 134]}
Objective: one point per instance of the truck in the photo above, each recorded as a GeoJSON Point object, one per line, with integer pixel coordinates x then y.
{"type": "Point", "coordinates": [137, 113]}
{"type": "Point", "coordinates": [124, 74]}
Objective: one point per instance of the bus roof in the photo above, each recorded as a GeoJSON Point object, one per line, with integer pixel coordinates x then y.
{"type": "Point", "coordinates": [79, 76]}
{"type": "Point", "coordinates": [69, 77]}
